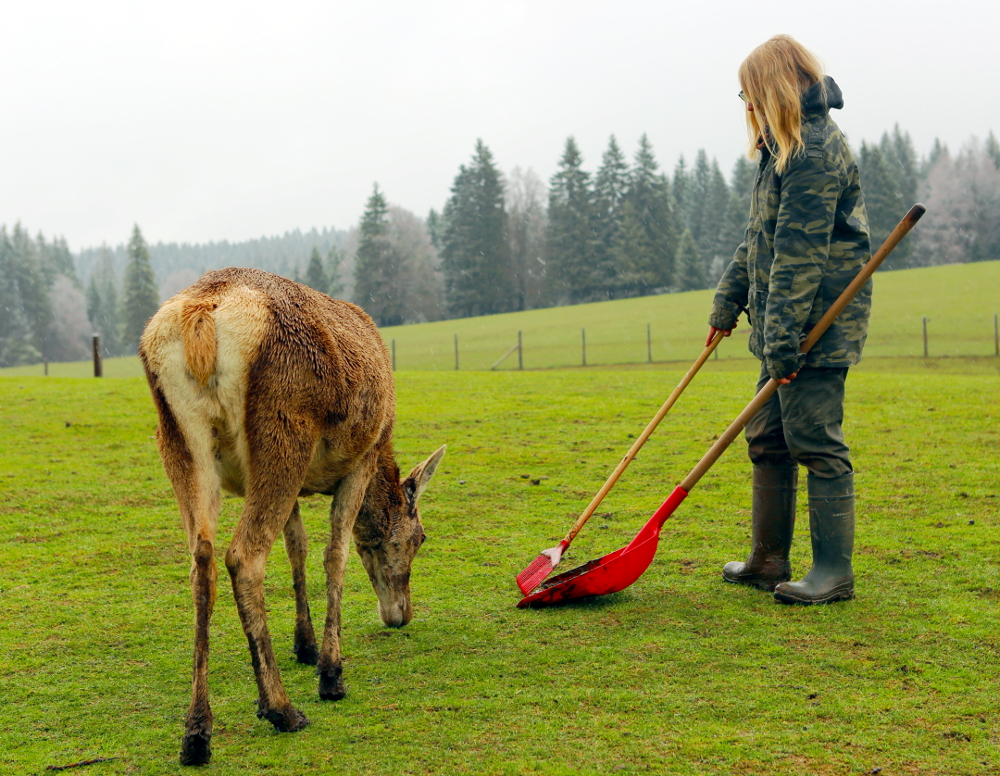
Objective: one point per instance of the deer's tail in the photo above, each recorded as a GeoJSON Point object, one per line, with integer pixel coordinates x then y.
{"type": "Point", "coordinates": [198, 333]}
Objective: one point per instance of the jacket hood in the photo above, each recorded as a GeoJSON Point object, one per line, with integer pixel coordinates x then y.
{"type": "Point", "coordinates": [814, 101]}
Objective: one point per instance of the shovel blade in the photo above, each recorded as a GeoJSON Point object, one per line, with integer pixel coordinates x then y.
{"type": "Point", "coordinates": [610, 573]}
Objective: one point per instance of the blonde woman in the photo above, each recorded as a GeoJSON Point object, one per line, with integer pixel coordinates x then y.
{"type": "Point", "coordinates": [806, 240]}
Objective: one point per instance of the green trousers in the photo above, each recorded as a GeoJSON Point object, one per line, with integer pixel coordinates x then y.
{"type": "Point", "coordinates": [803, 424]}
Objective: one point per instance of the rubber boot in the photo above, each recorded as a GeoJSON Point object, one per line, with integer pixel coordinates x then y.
{"type": "Point", "coordinates": [774, 490]}
{"type": "Point", "coordinates": [831, 520]}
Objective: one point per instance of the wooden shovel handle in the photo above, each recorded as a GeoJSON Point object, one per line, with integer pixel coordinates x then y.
{"type": "Point", "coordinates": [637, 445]}
{"type": "Point", "coordinates": [765, 393]}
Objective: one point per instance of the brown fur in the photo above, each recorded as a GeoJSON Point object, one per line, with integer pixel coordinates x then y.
{"type": "Point", "coordinates": [274, 391]}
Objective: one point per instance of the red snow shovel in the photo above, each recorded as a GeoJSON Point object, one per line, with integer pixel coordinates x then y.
{"type": "Point", "coordinates": [542, 566]}
{"type": "Point", "coordinates": [621, 568]}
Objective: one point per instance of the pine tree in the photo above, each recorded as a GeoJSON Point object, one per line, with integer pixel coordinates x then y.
{"type": "Point", "coordinates": [436, 228]}
{"type": "Point", "coordinates": [475, 253]}
{"type": "Point", "coordinates": [681, 193]}
{"type": "Point", "coordinates": [570, 241]}
{"type": "Point", "coordinates": [32, 292]}
{"type": "Point", "coordinates": [334, 261]}
{"type": "Point", "coordinates": [992, 149]}
{"type": "Point", "coordinates": [690, 270]}
{"type": "Point", "coordinates": [938, 150]}
{"type": "Point", "coordinates": [378, 281]}
{"type": "Point", "coordinates": [315, 273]}
{"type": "Point", "coordinates": [649, 195]}
{"type": "Point", "coordinates": [882, 200]}
{"type": "Point", "coordinates": [738, 209]}
{"type": "Point", "coordinates": [899, 153]}
{"type": "Point", "coordinates": [140, 299]}
{"type": "Point", "coordinates": [102, 303]}
{"type": "Point", "coordinates": [15, 329]}
{"type": "Point", "coordinates": [696, 201]}
{"type": "Point", "coordinates": [716, 252]}
{"type": "Point", "coordinates": [610, 190]}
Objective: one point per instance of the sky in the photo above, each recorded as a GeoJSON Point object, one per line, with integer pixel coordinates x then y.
{"type": "Point", "coordinates": [207, 120]}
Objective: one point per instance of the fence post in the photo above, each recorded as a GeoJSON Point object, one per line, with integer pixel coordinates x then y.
{"type": "Point", "coordinates": [456, 352]}
{"type": "Point", "coordinates": [394, 355]}
{"type": "Point", "coordinates": [925, 336]}
{"type": "Point", "coordinates": [996, 336]}
{"type": "Point", "coordinates": [46, 367]}
{"type": "Point", "coordinates": [649, 345]}
{"type": "Point", "coordinates": [583, 345]}
{"type": "Point", "coordinates": [98, 370]}
{"type": "Point", "coordinates": [520, 352]}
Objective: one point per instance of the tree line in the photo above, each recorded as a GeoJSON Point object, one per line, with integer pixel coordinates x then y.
{"type": "Point", "coordinates": [500, 243]}
{"type": "Point", "coordinates": [508, 243]}
{"type": "Point", "coordinates": [46, 313]}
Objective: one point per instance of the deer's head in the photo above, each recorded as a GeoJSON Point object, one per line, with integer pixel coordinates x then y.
{"type": "Point", "coordinates": [388, 558]}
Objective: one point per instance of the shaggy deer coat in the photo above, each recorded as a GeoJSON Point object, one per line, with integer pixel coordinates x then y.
{"type": "Point", "coordinates": [272, 391]}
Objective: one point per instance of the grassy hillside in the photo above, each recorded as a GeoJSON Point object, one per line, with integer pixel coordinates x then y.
{"type": "Point", "coordinates": [679, 674]}
{"type": "Point", "coordinates": [960, 301]}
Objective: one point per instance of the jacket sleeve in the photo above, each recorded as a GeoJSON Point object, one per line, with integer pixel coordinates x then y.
{"type": "Point", "coordinates": [731, 294]}
{"type": "Point", "coordinates": [810, 188]}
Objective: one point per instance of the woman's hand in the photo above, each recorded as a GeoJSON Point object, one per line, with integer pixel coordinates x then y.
{"type": "Point", "coordinates": [712, 331]}
{"type": "Point", "coordinates": [787, 380]}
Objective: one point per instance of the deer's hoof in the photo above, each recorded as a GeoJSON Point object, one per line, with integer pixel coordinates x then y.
{"type": "Point", "coordinates": [331, 684]}
{"type": "Point", "coordinates": [196, 749]}
{"type": "Point", "coordinates": [286, 720]}
{"type": "Point", "coordinates": [307, 654]}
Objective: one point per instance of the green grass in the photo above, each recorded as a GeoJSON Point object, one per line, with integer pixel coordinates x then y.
{"type": "Point", "coordinates": [960, 301]}
{"type": "Point", "coordinates": [679, 674]}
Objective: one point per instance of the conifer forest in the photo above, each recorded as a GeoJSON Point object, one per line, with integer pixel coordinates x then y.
{"type": "Point", "coordinates": [500, 242]}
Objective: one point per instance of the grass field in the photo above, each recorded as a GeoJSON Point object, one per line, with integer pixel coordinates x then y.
{"type": "Point", "coordinates": [680, 674]}
{"type": "Point", "coordinates": [960, 301]}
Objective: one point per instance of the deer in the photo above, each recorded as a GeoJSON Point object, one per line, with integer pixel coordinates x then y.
{"type": "Point", "coordinates": [273, 391]}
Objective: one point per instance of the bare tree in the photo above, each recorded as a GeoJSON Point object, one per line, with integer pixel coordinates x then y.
{"type": "Point", "coordinates": [71, 330]}
{"type": "Point", "coordinates": [412, 242]}
{"type": "Point", "coordinates": [962, 195]}
{"type": "Point", "coordinates": [526, 220]}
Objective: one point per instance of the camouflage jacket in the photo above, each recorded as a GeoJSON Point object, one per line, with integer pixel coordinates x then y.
{"type": "Point", "coordinates": [806, 240]}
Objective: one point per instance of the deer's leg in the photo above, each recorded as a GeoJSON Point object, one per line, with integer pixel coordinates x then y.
{"type": "Point", "coordinates": [343, 513]}
{"type": "Point", "coordinates": [188, 458]}
{"type": "Point", "coordinates": [278, 460]}
{"type": "Point", "coordinates": [296, 546]}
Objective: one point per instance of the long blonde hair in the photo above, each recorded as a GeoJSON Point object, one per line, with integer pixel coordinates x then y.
{"type": "Point", "coordinates": [773, 78]}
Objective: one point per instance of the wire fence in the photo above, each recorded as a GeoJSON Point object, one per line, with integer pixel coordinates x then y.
{"type": "Point", "coordinates": [604, 346]}
{"type": "Point", "coordinates": [479, 348]}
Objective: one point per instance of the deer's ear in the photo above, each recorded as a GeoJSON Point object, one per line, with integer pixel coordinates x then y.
{"type": "Point", "coordinates": [416, 483]}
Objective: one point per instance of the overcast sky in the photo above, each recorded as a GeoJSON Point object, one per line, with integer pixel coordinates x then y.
{"type": "Point", "coordinates": [222, 120]}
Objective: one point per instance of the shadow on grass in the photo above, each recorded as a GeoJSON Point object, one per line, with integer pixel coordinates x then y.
{"type": "Point", "coordinates": [587, 602]}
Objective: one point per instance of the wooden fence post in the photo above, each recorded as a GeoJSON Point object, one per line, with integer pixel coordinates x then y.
{"type": "Point", "coordinates": [46, 367]}
{"type": "Point", "coordinates": [649, 345]}
{"type": "Point", "coordinates": [520, 351]}
{"type": "Point", "coordinates": [98, 370]}
{"type": "Point", "coordinates": [925, 336]}
{"type": "Point", "coordinates": [394, 355]}
{"type": "Point", "coordinates": [583, 345]}
{"type": "Point", "coordinates": [996, 336]}
{"type": "Point", "coordinates": [456, 352]}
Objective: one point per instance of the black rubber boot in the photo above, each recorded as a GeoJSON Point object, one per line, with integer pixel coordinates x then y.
{"type": "Point", "coordinates": [774, 490]}
{"type": "Point", "coordinates": [831, 520]}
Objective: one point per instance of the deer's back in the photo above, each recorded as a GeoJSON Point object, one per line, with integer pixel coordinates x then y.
{"type": "Point", "coordinates": [254, 355]}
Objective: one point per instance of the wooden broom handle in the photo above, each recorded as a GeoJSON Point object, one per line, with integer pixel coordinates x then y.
{"type": "Point", "coordinates": [637, 445]}
{"type": "Point", "coordinates": [765, 393]}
